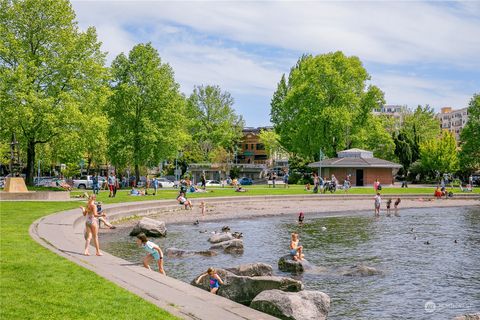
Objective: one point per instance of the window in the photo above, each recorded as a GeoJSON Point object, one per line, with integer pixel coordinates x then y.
{"type": "Point", "coordinates": [246, 146]}
{"type": "Point", "coordinates": [260, 146]}
{"type": "Point", "coordinates": [252, 145]}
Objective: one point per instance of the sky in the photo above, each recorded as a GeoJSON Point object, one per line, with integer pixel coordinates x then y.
{"type": "Point", "coordinates": [415, 52]}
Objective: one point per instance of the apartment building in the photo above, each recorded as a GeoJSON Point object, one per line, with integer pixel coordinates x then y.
{"type": "Point", "coordinates": [453, 120]}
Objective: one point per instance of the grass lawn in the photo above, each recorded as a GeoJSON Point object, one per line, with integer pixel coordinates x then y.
{"type": "Point", "coordinates": [35, 283]}
{"type": "Point", "coordinates": [256, 190]}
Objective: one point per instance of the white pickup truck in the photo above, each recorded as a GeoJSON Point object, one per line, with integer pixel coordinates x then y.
{"type": "Point", "coordinates": [86, 182]}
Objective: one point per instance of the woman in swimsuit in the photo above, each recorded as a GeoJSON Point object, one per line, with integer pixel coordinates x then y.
{"type": "Point", "coordinates": [91, 226]}
{"type": "Point", "coordinates": [214, 280]}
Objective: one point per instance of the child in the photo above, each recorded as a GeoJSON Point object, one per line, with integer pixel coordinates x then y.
{"type": "Point", "coordinates": [397, 202]}
{"type": "Point", "coordinates": [296, 249]}
{"type": "Point", "coordinates": [378, 202]}
{"type": "Point", "coordinates": [389, 203]}
{"type": "Point", "coordinates": [154, 252]}
{"type": "Point", "coordinates": [301, 217]}
{"type": "Point", "coordinates": [215, 280]}
{"type": "Point", "coordinates": [202, 207]}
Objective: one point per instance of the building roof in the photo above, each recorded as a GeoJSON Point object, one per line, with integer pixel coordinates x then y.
{"type": "Point", "coordinates": [354, 158]}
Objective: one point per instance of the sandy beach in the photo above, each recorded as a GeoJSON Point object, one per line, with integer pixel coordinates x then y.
{"type": "Point", "coordinates": [235, 209]}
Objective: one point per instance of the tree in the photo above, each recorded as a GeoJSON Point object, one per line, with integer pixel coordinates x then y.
{"type": "Point", "coordinates": [270, 140]}
{"type": "Point", "coordinates": [403, 151]}
{"type": "Point", "coordinates": [470, 137]}
{"type": "Point", "coordinates": [214, 121]}
{"type": "Point", "coordinates": [146, 110]}
{"type": "Point", "coordinates": [374, 136]}
{"type": "Point", "coordinates": [439, 156]}
{"type": "Point", "coordinates": [420, 126]}
{"type": "Point", "coordinates": [51, 73]}
{"type": "Point", "coordinates": [324, 103]}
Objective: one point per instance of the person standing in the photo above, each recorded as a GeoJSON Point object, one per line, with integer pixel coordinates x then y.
{"type": "Point", "coordinates": [155, 185]}
{"type": "Point", "coordinates": [274, 178]}
{"type": "Point", "coordinates": [285, 179]}
{"type": "Point", "coordinates": [116, 186]}
{"type": "Point", "coordinates": [378, 203]}
{"type": "Point", "coordinates": [95, 186]}
{"type": "Point", "coordinates": [376, 183]}
{"type": "Point", "coordinates": [111, 184]}
{"type": "Point", "coordinates": [204, 181]}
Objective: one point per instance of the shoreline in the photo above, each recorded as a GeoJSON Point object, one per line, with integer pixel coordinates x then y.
{"type": "Point", "coordinates": [262, 208]}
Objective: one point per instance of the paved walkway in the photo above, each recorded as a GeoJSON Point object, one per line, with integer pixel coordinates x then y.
{"type": "Point", "coordinates": [63, 234]}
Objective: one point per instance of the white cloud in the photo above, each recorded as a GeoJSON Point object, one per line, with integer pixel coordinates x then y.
{"type": "Point", "coordinates": [245, 46]}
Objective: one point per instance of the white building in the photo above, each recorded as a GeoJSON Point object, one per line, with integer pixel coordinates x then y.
{"type": "Point", "coordinates": [396, 111]}
{"type": "Point", "coordinates": [453, 120]}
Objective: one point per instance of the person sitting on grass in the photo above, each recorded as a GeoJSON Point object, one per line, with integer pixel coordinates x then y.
{"type": "Point", "coordinates": [215, 280]}
{"type": "Point", "coordinates": [134, 192]}
{"type": "Point", "coordinates": [296, 250]}
{"type": "Point", "coordinates": [154, 252]}
{"type": "Point", "coordinates": [240, 189]}
{"type": "Point", "coordinates": [184, 201]}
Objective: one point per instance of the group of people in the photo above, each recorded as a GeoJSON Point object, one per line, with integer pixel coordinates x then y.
{"type": "Point", "coordinates": [378, 204]}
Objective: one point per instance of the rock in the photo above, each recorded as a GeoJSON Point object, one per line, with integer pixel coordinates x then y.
{"type": "Point", "coordinates": [361, 271]}
{"type": "Point", "coordinates": [220, 237]}
{"type": "Point", "coordinates": [475, 316]}
{"type": "Point", "coordinates": [243, 289]}
{"type": "Point", "coordinates": [303, 305]}
{"type": "Point", "coordinates": [151, 228]}
{"type": "Point", "coordinates": [252, 270]}
{"type": "Point", "coordinates": [287, 264]}
{"type": "Point", "coordinates": [231, 246]}
{"type": "Point", "coordinates": [180, 253]}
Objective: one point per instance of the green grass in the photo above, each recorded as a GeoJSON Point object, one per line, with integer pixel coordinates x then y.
{"type": "Point", "coordinates": [256, 190]}
{"type": "Point", "coordinates": [35, 283]}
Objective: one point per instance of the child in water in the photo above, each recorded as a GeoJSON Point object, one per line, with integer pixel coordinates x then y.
{"type": "Point", "coordinates": [378, 202]}
{"type": "Point", "coordinates": [202, 207]}
{"type": "Point", "coordinates": [296, 250]}
{"type": "Point", "coordinates": [215, 280]}
{"type": "Point", "coordinates": [301, 217]}
{"type": "Point", "coordinates": [389, 204]}
{"type": "Point", "coordinates": [154, 252]}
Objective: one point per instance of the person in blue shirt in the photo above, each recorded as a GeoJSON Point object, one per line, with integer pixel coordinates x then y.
{"type": "Point", "coordinates": [155, 186]}
{"type": "Point", "coordinates": [95, 185]}
{"type": "Point", "coordinates": [214, 280]}
{"type": "Point", "coordinates": [154, 253]}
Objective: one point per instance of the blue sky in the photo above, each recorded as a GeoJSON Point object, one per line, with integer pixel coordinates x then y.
{"type": "Point", "coordinates": [416, 52]}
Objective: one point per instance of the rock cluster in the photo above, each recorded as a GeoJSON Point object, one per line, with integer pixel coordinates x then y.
{"type": "Point", "coordinates": [151, 228]}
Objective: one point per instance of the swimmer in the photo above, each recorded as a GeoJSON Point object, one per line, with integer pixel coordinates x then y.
{"type": "Point", "coordinates": [215, 280]}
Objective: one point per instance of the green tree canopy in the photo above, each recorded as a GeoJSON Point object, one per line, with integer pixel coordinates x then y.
{"type": "Point", "coordinates": [439, 156]}
{"type": "Point", "coordinates": [374, 136]}
{"type": "Point", "coordinates": [324, 103]}
{"type": "Point", "coordinates": [52, 75]}
{"type": "Point", "coordinates": [146, 110]}
{"type": "Point", "coordinates": [470, 137]}
{"type": "Point", "coordinates": [214, 122]}
{"type": "Point", "coordinates": [270, 139]}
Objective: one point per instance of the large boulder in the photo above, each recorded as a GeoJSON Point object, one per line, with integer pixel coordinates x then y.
{"type": "Point", "coordinates": [243, 289]}
{"type": "Point", "coordinates": [287, 264]}
{"type": "Point", "coordinates": [252, 270]}
{"type": "Point", "coordinates": [231, 246]}
{"type": "Point", "coordinates": [221, 237]}
{"type": "Point", "coordinates": [151, 228]}
{"type": "Point", "coordinates": [303, 305]}
{"type": "Point", "coordinates": [361, 271]}
{"type": "Point", "coordinates": [475, 316]}
{"type": "Point", "coordinates": [180, 253]}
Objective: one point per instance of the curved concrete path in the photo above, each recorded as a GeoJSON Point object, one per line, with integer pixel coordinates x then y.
{"type": "Point", "coordinates": [63, 234]}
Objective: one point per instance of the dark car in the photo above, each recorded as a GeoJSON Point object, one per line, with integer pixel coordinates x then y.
{"type": "Point", "coordinates": [245, 181]}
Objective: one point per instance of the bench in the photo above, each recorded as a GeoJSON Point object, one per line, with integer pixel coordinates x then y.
{"type": "Point", "coordinates": [277, 182]}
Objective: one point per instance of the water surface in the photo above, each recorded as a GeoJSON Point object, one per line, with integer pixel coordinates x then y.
{"type": "Point", "coordinates": [443, 272]}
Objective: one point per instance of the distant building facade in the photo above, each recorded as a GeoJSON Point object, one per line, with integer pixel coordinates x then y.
{"type": "Point", "coordinates": [453, 120]}
{"type": "Point", "coordinates": [251, 159]}
{"type": "Point", "coordinates": [395, 111]}
{"type": "Point", "coordinates": [362, 167]}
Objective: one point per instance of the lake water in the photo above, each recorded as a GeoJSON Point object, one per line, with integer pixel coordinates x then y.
{"type": "Point", "coordinates": [443, 274]}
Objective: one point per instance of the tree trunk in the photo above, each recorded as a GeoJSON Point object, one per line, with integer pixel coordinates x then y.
{"type": "Point", "coordinates": [30, 162]}
{"type": "Point", "coordinates": [137, 174]}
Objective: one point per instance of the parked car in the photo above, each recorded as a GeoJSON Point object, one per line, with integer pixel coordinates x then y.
{"type": "Point", "coordinates": [2, 182]}
{"type": "Point", "coordinates": [245, 181]}
{"type": "Point", "coordinates": [84, 182]}
{"type": "Point", "coordinates": [165, 183]}
{"type": "Point", "coordinates": [211, 183]}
